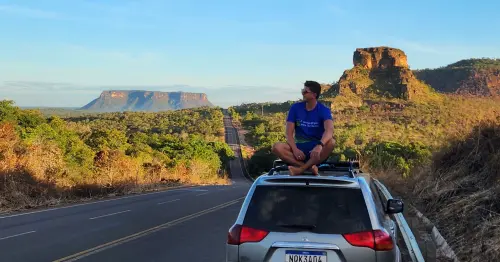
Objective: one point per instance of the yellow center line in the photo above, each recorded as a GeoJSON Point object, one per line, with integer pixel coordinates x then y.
{"type": "Point", "coordinates": [122, 240]}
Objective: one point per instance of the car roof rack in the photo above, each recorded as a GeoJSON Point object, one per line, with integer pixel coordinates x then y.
{"type": "Point", "coordinates": [350, 167]}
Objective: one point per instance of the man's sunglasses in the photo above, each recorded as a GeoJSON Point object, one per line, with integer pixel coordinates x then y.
{"type": "Point", "coordinates": [305, 91]}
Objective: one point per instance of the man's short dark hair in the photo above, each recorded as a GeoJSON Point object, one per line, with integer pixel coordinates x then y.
{"type": "Point", "coordinates": [314, 86]}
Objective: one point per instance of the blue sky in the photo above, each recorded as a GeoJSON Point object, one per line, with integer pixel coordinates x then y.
{"type": "Point", "coordinates": [64, 53]}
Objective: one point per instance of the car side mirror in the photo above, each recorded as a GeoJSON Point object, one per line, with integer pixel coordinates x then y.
{"type": "Point", "coordinates": [394, 206]}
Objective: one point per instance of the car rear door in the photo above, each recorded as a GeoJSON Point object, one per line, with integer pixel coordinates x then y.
{"type": "Point", "coordinates": [289, 223]}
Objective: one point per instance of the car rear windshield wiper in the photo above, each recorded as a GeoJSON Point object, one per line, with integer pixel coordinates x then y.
{"type": "Point", "coordinates": [304, 226]}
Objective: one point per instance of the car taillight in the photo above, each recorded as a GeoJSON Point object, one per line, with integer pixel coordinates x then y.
{"type": "Point", "coordinates": [383, 240]}
{"type": "Point", "coordinates": [239, 234]}
{"type": "Point", "coordinates": [377, 240]}
{"type": "Point", "coordinates": [361, 239]}
{"type": "Point", "coordinates": [233, 236]}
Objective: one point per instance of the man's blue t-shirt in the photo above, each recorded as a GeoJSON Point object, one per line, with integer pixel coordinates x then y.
{"type": "Point", "coordinates": [309, 125]}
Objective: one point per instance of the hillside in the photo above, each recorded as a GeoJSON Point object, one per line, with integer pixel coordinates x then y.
{"type": "Point", "coordinates": [152, 101]}
{"type": "Point", "coordinates": [381, 111]}
{"type": "Point", "coordinates": [379, 72]}
{"type": "Point", "coordinates": [480, 77]}
{"type": "Point", "coordinates": [459, 192]}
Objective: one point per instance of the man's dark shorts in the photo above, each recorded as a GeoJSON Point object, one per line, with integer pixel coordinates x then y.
{"type": "Point", "coordinates": [307, 147]}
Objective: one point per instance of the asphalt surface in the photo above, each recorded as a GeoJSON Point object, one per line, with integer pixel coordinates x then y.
{"type": "Point", "coordinates": [184, 224]}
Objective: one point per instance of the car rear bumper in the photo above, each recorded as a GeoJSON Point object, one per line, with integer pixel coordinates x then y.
{"type": "Point", "coordinates": [231, 253]}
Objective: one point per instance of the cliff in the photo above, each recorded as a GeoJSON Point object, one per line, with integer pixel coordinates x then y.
{"type": "Point", "coordinates": [138, 100]}
{"type": "Point", "coordinates": [380, 71]}
{"type": "Point", "coordinates": [379, 58]}
{"type": "Point", "coordinates": [480, 77]}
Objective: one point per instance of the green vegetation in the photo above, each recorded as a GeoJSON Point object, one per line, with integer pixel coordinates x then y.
{"type": "Point", "coordinates": [385, 134]}
{"type": "Point", "coordinates": [260, 108]}
{"type": "Point", "coordinates": [456, 72]}
{"type": "Point", "coordinates": [265, 108]}
{"type": "Point", "coordinates": [102, 153]}
{"type": "Point", "coordinates": [476, 63]}
{"type": "Point", "coordinates": [361, 76]}
{"type": "Point", "coordinates": [398, 156]}
{"type": "Point", "coordinates": [61, 112]}
{"type": "Point", "coordinates": [264, 131]}
{"type": "Point", "coordinates": [466, 77]}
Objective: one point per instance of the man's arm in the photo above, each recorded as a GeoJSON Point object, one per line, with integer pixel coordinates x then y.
{"type": "Point", "coordinates": [290, 129]}
{"type": "Point", "coordinates": [328, 131]}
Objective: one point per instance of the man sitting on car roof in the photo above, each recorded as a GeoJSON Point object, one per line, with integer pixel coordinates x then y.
{"type": "Point", "coordinates": [312, 123]}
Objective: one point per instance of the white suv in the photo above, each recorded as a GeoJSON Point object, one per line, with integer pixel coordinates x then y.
{"type": "Point", "coordinates": [336, 216]}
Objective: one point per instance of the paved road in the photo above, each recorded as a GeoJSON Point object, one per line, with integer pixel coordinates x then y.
{"type": "Point", "coordinates": [185, 224]}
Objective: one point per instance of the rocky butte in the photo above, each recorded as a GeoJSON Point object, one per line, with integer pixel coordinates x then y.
{"type": "Point", "coordinates": [139, 100]}
{"type": "Point", "coordinates": [479, 77]}
{"type": "Point", "coordinates": [380, 71]}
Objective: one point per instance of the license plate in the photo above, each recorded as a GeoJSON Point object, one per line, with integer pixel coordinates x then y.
{"type": "Point", "coordinates": [305, 256]}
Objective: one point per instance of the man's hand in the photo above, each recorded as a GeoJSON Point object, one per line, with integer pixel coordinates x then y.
{"type": "Point", "coordinates": [316, 152]}
{"type": "Point", "coordinates": [299, 155]}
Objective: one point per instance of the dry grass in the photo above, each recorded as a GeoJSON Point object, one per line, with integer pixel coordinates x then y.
{"type": "Point", "coordinates": [460, 193]}
{"type": "Point", "coordinates": [19, 190]}
{"type": "Point", "coordinates": [34, 175]}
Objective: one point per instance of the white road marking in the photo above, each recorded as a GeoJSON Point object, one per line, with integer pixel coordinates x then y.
{"type": "Point", "coordinates": [198, 190]}
{"type": "Point", "coordinates": [96, 202]}
{"type": "Point", "coordinates": [25, 233]}
{"type": "Point", "coordinates": [111, 214]}
{"type": "Point", "coordinates": [161, 203]}
{"type": "Point", "coordinates": [202, 194]}
{"type": "Point", "coordinates": [146, 232]}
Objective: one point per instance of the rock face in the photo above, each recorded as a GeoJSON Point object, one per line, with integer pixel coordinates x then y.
{"type": "Point", "coordinates": [380, 71]}
{"type": "Point", "coordinates": [479, 77]}
{"type": "Point", "coordinates": [138, 100]}
{"type": "Point", "coordinates": [379, 57]}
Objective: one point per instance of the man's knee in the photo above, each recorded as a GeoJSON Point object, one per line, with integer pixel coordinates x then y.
{"type": "Point", "coordinates": [315, 158]}
{"type": "Point", "coordinates": [278, 147]}
{"type": "Point", "coordinates": [327, 149]}
{"type": "Point", "coordinates": [330, 145]}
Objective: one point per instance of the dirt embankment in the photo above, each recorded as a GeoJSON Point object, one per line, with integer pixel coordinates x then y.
{"type": "Point", "coordinates": [460, 193]}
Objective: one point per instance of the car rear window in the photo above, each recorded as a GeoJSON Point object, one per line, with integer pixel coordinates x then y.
{"type": "Point", "coordinates": [328, 210]}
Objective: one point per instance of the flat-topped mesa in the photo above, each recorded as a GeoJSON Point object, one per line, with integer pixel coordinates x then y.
{"type": "Point", "coordinates": [141, 100]}
{"type": "Point", "coordinates": [380, 57]}
{"type": "Point", "coordinates": [116, 94]}
{"type": "Point", "coordinates": [379, 72]}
